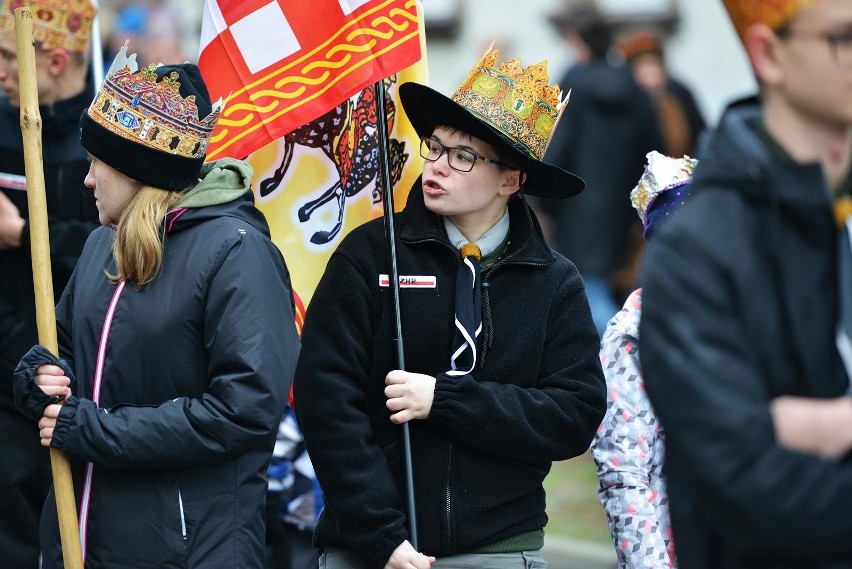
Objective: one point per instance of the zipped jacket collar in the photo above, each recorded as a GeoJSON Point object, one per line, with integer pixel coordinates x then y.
{"type": "Point", "coordinates": [526, 240]}
{"type": "Point", "coordinates": [750, 168]}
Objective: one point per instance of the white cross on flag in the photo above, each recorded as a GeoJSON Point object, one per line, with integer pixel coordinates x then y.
{"type": "Point", "coordinates": [286, 62]}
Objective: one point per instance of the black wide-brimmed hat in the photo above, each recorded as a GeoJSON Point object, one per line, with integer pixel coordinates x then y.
{"type": "Point", "coordinates": [153, 124]}
{"type": "Point", "coordinates": [511, 108]}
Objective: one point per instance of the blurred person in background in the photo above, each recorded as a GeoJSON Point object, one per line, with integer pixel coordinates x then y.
{"type": "Point", "coordinates": [747, 309]}
{"type": "Point", "coordinates": [604, 140]}
{"type": "Point", "coordinates": [164, 31]}
{"type": "Point", "coordinates": [156, 28]}
{"type": "Point", "coordinates": [628, 447]}
{"type": "Point", "coordinates": [61, 29]}
{"type": "Point", "coordinates": [680, 120]}
{"type": "Point", "coordinates": [294, 501]}
{"type": "Point", "coordinates": [122, 25]}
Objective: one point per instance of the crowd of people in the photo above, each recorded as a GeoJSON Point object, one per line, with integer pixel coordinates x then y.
{"type": "Point", "coordinates": [723, 443]}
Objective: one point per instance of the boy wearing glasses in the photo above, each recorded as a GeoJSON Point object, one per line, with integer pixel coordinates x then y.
{"type": "Point", "coordinates": [747, 309]}
{"type": "Point", "coordinates": [502, 375]}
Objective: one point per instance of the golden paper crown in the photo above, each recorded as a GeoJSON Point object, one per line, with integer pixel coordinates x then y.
{"type": "Point", "coordinates": [56, 23]}
{"type": "Point", "coordinates": [772, 13]}
{"type": "Point", "coordinates": [136, 106]}
{"type": "Point", "coordinates": [516, 101]}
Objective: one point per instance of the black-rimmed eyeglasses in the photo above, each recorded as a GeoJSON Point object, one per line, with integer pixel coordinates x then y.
{"type": "Point", "coordinates": [840, 43]}
{"type": "Point", "coordinates": [460, 159]}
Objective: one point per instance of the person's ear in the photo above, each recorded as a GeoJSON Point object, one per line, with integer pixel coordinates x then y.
{"type": "Point", "coordinates": [765, 53]}
{"type": "Point", "coordinates": [58, 60]}
{"type": "Point", "coordinates": [512, 182]}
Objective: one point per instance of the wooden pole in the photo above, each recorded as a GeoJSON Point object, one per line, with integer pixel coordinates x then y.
{"type": "Point", "coordinates": [63, 486]}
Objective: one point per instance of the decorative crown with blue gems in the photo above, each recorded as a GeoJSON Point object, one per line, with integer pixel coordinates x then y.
{"type": "Point", "coordinates": [134, 105]}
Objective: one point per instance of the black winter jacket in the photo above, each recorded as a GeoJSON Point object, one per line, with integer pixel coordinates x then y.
{"type": "Point", "coordinates": [608, 127]}
{"type": "Point", "coordinates": [72, 215]}
{"type": "Point", "coordinates": [196, 370]}
{"type": "Point", "coordinates": [741, 306]}
{"type": "Point", "coordinates": [537, 394]}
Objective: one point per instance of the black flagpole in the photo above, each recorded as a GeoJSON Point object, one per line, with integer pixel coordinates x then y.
{"type": "Point", "coordinates": [393, 280]}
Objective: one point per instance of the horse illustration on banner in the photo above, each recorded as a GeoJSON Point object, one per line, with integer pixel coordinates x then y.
{"type": "Point", "coordinates": [347, 136]}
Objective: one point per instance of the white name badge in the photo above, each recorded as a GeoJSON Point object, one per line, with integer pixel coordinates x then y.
{"type": "Point", "coordinates": [410, 281]}
{"type": "Point", "coordinates": [13, 181]}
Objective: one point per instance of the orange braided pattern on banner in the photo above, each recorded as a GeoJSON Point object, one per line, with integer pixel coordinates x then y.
{"type": "Point", "coordinates": [358, 43]}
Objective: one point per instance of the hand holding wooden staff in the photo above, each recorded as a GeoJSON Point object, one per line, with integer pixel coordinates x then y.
{"type": "Point", "coordinates": [42, 278]}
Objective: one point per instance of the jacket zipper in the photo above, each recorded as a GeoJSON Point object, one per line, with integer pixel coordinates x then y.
{"type": "Point", "coordinates": [445, 244]}
{"type": "Point", "coordinates": [85, 501]}
{"type": "Point", "coordinates": [182, 518]}
{"type": "Point", "coordinates": [448, 500]}
{"type": "Point", "coordinates": [499, 263]}
{"type": "Point", "coordinates": [60, 180]}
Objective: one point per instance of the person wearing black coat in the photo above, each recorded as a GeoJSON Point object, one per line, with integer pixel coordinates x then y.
{"type": "Point", "coordinates": [177, 341]}
{"type": "Point", "coordinates": [745, 353]}
{"type": "Point", "coordinates": [680, 121]}
{"type": "Point", "coordinates": [501, 370]}
{"type": "Point", "coordinates": [605, 142]}
{"type": "Point", "coordinates": [65, 90]}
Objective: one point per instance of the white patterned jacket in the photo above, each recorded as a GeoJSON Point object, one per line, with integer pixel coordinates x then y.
{"type": "Point", "coordinates": [628, 451]}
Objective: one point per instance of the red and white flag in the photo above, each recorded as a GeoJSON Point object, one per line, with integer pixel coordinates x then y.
{"type": "Point", "coordinates": [300, 74]}
{"type": "Point", "coordinates": [283, 63]}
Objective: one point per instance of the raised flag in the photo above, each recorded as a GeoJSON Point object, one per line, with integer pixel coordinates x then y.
{"type": "Point", "coordinates": [309, 121]}
{"type": "Point", "coordinates": [284, 63]}
{"type": "Point", "coordinates": [318, 182]}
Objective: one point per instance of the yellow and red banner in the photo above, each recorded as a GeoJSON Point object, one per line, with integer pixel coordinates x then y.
{"type": "Point", "coordinates": [307, 119]}
{"type": "Point", "coordinates": [318, 182]}
{"type": "Point", "coordinates": [283, 63]}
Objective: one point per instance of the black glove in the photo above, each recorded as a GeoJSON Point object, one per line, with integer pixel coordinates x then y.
{"type": "Point", "coordinates": [29, 397]}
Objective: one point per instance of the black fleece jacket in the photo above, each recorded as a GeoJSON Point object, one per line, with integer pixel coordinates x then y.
{"type": "Point", "coordinates": [536, 395]}
{"type": "Point", "coordinates": [72, 215]}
